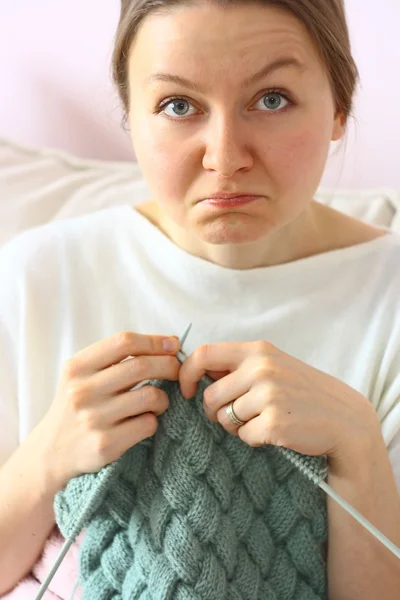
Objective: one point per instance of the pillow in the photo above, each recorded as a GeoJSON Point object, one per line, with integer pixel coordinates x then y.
{"type": "Point", "coordinates": [39, 185]}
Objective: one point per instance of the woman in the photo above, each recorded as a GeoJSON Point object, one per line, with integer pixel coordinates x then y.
{"type": "Point", "coordinates": [232, 107]}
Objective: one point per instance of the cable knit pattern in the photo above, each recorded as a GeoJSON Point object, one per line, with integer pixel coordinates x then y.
{"type": "Point", "coordinates": [194, 513]}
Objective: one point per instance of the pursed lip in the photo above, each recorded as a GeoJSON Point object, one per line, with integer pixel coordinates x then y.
{"type": "Point", "coordinates": [222, 196]}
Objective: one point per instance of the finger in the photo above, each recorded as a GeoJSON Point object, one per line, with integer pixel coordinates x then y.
{"type": "Point", "coordinates": [223, 356]}
{"type": "Point", "coordinates": [215, 375]}
{"type": "Point", "coordinates": [135, 430]}
{"type": "Point", "coordinates": [255, 432]}
{"type": "Point", "coordinates": [131, 404]}
{"type": "Point", "coordinates": [224, 391]}
{"type": "Point", "coordinates": [118, 347]}
{"type": "Point", "coordinates": [246, 407]}
{"type": "Point", "coordinates": [266, 428]}
{"type": "Point", "coordinates": [128, 373]}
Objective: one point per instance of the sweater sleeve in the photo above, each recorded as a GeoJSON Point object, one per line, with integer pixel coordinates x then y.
{"type": "Point", "coordinates": [10, 322]}
{"type": "Point", "coordinates": [26, 324]}
{"type": "Point", "coordinates": [32, 326]}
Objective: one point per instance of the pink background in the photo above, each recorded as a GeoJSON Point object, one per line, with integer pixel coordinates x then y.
{"type": "Point", "coordinates": [56, 87]}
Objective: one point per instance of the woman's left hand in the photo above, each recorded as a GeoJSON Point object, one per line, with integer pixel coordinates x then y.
{"type": "Point", "coordinates": [282, 400]}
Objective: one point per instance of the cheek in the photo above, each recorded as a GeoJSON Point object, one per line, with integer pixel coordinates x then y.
{"type": "Point", "coordinates": [170, 166]}
{"type": "Point", "coordinates": [297, 158]}
{"type": "Point", "coordinates": [165, 165]}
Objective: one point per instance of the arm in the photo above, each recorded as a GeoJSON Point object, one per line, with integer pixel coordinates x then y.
{"type": "Point", "coordinates": [359, 566]}
{"type": "Point", "coordinates": [27, 491]}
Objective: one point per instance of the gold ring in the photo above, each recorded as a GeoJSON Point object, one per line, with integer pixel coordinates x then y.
{"type": "Point", "coordinates": [232, 415]}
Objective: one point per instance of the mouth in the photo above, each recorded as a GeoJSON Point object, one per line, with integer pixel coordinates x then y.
{"type": "Point", "coordinates": [223, 196]}
{"type": "Point", "coordinates": [229, 200]}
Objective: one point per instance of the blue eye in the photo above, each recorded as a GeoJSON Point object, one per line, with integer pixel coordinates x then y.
{"type": "Point", "coordinates": [179, 106]}
{"type": "Point", "coordinates": [273, 101]}
{"type": "Point", "coordinates": [176, 107]}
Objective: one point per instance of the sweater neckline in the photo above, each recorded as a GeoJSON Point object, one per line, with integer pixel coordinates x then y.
{"type": "Point", "coordinates": [163, 250]}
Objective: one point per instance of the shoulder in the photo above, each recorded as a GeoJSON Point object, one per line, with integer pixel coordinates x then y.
{"type": "Point", "coordinates": [385, 259]}
{"type": "Point", "coordinates": [37, 248]}
{"type": "Point", "coordinates": [377, 270]}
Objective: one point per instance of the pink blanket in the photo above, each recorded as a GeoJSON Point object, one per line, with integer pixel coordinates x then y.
{"type": "Point", "coordinates": [63, 582]}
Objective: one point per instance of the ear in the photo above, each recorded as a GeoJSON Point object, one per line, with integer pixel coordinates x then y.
{"type": "Point", "coordinates": [338, 127]}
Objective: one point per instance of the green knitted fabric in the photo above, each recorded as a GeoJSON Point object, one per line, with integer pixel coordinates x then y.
{"type": "Point", "coordinates": [194, 513]}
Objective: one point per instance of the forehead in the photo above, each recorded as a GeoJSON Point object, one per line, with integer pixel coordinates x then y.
{"type": "Point", "coordinates": [241, 37]}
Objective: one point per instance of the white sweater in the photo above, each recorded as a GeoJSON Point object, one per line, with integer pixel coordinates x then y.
{"type": "Point", "coordinates": [71, 283]}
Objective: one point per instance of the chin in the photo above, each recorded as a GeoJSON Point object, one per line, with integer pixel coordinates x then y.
{"type": "Point", "coordinates": [234, 232]}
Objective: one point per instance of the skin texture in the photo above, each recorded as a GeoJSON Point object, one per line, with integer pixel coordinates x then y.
{"type": "Point", "coordinates": [282, 400]}
{"type": "Point", "coordinates": [233, 137]}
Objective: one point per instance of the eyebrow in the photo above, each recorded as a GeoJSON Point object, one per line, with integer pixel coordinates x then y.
{"type": "Point", "coordinates": [280, 63]}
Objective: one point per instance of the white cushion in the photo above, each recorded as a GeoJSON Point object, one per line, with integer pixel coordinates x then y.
{"type": "Point", "coordinates": [39, 185]}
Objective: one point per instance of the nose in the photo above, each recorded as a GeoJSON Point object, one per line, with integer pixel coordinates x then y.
{"type": "Point", "coordinates": [227, 147]}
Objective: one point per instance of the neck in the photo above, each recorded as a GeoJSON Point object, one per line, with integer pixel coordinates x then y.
{"type": "Point", "coordinates": [306, 236]}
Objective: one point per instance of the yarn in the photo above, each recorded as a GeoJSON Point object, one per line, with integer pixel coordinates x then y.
{"type": "Point", "coordinates": [194, 513]}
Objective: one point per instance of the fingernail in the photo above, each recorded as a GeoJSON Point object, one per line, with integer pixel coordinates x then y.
{"type": "Point", "coordinates": [170, 344]}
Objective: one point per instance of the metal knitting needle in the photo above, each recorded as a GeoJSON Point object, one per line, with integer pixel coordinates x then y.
{"type": "Point", "coordinates": [68, 543]}
{"type": "Point", "coordinates": [362, 520]}
{"type": "Point", "coordinates": [328, 490]}
{"type": "Point", "coordinates": [183, 338]}
{"type": "Point", "coordinates": [181, 356]}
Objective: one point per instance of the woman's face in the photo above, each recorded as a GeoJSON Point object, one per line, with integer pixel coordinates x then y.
{"type": "Point", "coordinates": [230, 100]}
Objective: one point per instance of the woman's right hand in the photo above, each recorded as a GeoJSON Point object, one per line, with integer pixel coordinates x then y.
{"type": "Point", "coordinates": [95, 417]}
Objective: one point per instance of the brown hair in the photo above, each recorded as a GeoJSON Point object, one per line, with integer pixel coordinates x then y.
{"type": "Point", "coordinates": [325, 20]}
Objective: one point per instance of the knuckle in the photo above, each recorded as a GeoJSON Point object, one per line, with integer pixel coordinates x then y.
{"type": "Point", "coordinates": [154, 344]}
{"type": "Point", "coordinates": [77, 393]}
{"type": "Point", "coordinates": [101, 444]}
{"type": "Point", "coordinates": [262, 347]}
{"type": "Point", "coordinates": [262, 370]}
{"type": "Point", "coordinates": [71, 368]}
{"type": "Point", "coordinates": [139, 366]}
{"type": "Point", "coordinates": [124, 341]}
{"type": "Point", "coordinates": [201, 353]}
{"type": "Point", "coordinates": [157, 400]}
{"type": "Point", "coordinates": [149, 395]}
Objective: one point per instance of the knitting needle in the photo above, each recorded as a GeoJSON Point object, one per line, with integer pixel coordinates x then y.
{"type": "Point", "coordinates": [359, 517]}
{"type": "Point", "coordinates": [328, 490]}
{"type": "Point", "coordinates": [68, 542]}
{"type": "Point", "coordinates": [181, 356]}
{"type": "Point", "coordinates": [324, 486]}
{"type": "Point", "coordinates": [183, 338]}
